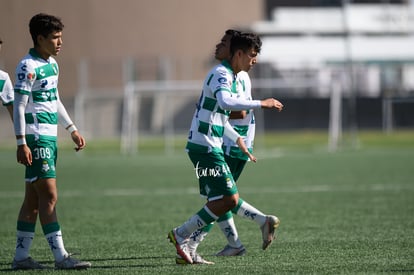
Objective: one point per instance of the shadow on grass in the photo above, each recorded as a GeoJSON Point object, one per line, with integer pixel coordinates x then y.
{"type": "Point", "coordinates": [50, 264]}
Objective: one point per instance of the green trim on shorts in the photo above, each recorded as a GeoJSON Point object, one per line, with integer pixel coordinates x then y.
{"type": "Point", "coordinates": [50, 227]}
{"type": "Point", "coordinates": [26, 226]}
{"type": "Point", "coordinates": [236, 209]}
{"type": "Point", "coordinates": [205, 216]}
{"type": "Point", "coordinates": [226, 216]}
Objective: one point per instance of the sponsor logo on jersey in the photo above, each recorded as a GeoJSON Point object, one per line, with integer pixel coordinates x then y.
{"type": "Point", "coordinates": [222, 80]}
{"type": "Point", "coordinates": [43, 83]}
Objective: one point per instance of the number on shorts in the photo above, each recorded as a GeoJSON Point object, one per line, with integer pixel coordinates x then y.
{"type": "Point", "coordinates": [42, 153]}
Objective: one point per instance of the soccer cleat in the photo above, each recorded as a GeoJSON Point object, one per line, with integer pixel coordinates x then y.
{"type": "Point", "coordinates": [180, 245]}
{"type": "Point", "coordinates": [268, 230]}
{"type": "Point", "coordinates": [71, 263]}
{"type": "Point", "coordinates": [27, 263]}
{"type": "Point", "coordinates": [232, 251]}
{"type": "Point", "coordinates": [197, 259]}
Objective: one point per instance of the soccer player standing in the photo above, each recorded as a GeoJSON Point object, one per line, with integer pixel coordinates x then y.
{"type": "Point", "coordinates": [37, 111]}
{"type": "Point", "coordinates": [6, 90]}
{"type": "Point", "coordinates": [204, 146]}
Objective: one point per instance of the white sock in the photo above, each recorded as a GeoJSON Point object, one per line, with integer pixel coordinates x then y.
{"type": "Point", "coordinates": [230, 232]}
{"type": "Point", "coordinates": [55, 241]}
{"type": "Point", "coordinates": [195, 239]}
{"type": "Point", "coordinates": [199, 220]}
{"type": "Point", "coordinates": [194, 223]}
{"type": "Point", "coordinates": [247, 211]}
{"type": "Point", "coordinates": [23, 243]}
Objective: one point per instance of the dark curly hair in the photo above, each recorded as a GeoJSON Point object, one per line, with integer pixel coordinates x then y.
{"type": "Point", "coordinates": [245, 41]}
{"type": "Point", "coordinates": [44, 24]}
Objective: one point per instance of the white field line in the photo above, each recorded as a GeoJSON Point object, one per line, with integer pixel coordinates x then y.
{"type": "Point", "coordinates": [128, 192]}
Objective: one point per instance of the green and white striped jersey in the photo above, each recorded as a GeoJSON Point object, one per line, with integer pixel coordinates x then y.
{"type": "Point", "coordinates": [38, 78]}
{"type": "Point", "coordinates": [246, 126]}
{"type": "Point", "coordinates": [207, 126]}
{"type": "Point", "coordinates": [6, 89]}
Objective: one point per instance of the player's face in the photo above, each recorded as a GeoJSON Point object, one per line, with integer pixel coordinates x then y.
{"type": "Point", "coordinates": [247, 59]}
{"type": "Point", "coordinates": [50, 45]}
{"type": "Point", "coordinates": [223, 48]}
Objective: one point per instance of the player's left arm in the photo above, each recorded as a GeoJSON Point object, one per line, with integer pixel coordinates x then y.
{"type": "Point", "coordinates": [65, 120]}
{"type": "Point", "coordinates": [10, 110]}
{"type": "Point", "coordinates": [235, 137]}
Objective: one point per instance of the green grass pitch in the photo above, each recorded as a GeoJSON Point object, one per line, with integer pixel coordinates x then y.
{"type": "Point", "coordinates": [346, 212]}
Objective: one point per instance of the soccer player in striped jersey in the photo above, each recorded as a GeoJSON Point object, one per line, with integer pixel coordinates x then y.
{"type": "Point", "coordinates": [209, 125]}
{"type": "Point", "coordinates": [244, 123]}
{"type": "Point", "coordinates": [6, 90]}
{"type": "Point", "coordinates": [37, 111]}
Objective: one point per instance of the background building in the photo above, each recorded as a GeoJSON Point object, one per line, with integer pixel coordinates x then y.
{"type": "Point", "coordinates": [159, 51]}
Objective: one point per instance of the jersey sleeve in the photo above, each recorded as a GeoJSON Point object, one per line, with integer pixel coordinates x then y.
{"type": "Point", "coordinates": [6, 90]}
{"type": "Point", "coordinates": [25, 77]}
{"type": "Point", "coordinates": [221, 82]}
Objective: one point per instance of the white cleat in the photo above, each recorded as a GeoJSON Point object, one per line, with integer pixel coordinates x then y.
{"type": "Point", "coordinates": [180, 245]}
{"type": "Point", "coordinates": [197, 259]}
{"type": "Point", "coordinates": [268, 230]}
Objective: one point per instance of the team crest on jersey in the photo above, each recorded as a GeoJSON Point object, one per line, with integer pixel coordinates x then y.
{"type": "Point", "coordinates": [55, 70]}
{"type": "Point", "coordinates": [30, 76]}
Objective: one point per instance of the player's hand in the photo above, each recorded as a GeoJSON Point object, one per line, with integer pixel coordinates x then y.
{"type": "Point", "coordinates": [24, 155]}
{"type": "Point", "coordinates": [78, 140]}
{"type": "Point", "coordinates": [251, 157]}
{"type": "Point", "coordinates": [270, 103]}
{"type": "Point", "coordinates": [243, 148]}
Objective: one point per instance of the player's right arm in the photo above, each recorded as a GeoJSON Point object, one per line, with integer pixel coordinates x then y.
{"type": "Point", "coordinates": [270, 103]}
{"type": "Point", "coordinates": [229, 102]}
{"type": "Point", "coordinates": [25, 76]}
{"type": "Point", "coordinates": [236, 138]}
{"type": "Point", "coordinates": [24, 155]}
